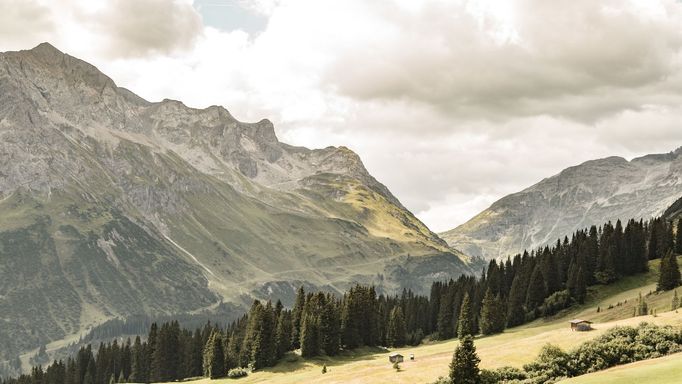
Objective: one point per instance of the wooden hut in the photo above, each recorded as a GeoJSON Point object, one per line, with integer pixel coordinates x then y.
{"type": "Point", "coordinates": [580, 325]}
{"type": "Point", "coordinates": [395, 358]}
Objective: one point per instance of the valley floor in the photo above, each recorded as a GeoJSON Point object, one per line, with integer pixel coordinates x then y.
{"type": "Point", "coordinates": [514, 347]}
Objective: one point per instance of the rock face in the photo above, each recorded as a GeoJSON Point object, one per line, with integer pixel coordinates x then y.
{"type": "Point", "coordinates": [111, 205]}
{"type": "Point", "coordinates": [591, 193]}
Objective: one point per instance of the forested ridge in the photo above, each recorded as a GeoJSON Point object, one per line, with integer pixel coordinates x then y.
{"type": "Point", "coordinates": [508, 293]}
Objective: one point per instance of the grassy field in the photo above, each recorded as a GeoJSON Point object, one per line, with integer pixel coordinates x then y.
{"type": "Point", "coordinates": [665, 370]}
{"type": "Point", "coordinates": [514, 347]}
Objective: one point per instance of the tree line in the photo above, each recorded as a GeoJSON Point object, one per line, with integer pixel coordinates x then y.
{"type": "Point", "coordinates": [542, 282]}
{"type": "Point", "coordinates": [507, 294]}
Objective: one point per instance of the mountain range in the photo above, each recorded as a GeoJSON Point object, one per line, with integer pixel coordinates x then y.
{"type": "Point", "coordinates": [591, 193]}
{"type": "Point", "coordinates": [112, 206]}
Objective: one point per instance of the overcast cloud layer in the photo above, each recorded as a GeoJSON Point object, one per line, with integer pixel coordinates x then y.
{"type": "Point", "coordinates": [451, 104]}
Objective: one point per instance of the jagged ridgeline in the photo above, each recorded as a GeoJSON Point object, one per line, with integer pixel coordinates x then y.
{"type": "Point", "coordinates": [590, 193]}
{"type": "Point", "coordinates": [113, 206]}
{"type": "Point", "coordinates": [535, 284]}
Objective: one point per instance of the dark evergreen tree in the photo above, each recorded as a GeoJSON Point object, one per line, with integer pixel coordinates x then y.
{"type": "Point", "coordinates": [515, 311]}
{"type": "Point", "coordinates": [465, 322]}
{"type": "Point", "coordinates": [446, 319]}
{"type": "Point", "coordinates": [296, 315]}
{"type": "Point", "coordinates": [537, 290]}
{"type": "Point", "coordinates": [138, 369]}
{"type": "Point", "coordinates": [397, 332]}
{"type": "Point", "coordinates": [233, 351]}
{"type": "Point", "coordinates": [283, 334]}
{"type": "Point", "coordinates": [165, 357]}
{"type": "Point", "coordinates": [464, 365]}
{"type": "Point", "coordinates": [669, 277]}
{"type": "Point", "coordinates": [310, 345]}
{"type": "Point", "coordinates": [214, 359]}
{"type": "Point", "coordinates": [492, 314]}
{"type": "Point", "coordinates": [329, 321]}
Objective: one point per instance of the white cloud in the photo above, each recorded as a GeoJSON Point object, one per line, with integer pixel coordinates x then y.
{"type": "Point", "coordinates": [451, 104]}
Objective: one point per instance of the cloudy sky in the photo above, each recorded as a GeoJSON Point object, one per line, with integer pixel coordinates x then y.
{"type": "Point", "coordinates": [451, 104]}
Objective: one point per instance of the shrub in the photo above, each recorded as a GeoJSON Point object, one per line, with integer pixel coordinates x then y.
{"type": "Point", "coordinates": [502, 375]}
{"type": "Point", "coordinates": [551, 363]}
{"type": "Point", "coordinates": [619, 345]}
{"type": "Point", "coordinates": [236, 373]}
{"type": "Point", "coordinates": [556, 302]}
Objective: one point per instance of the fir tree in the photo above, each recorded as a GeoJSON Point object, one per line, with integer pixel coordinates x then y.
{"type": "Point", "coordinates": [330, 326]}
{"type": "Point", "coordinates": [446, 322]}
{"type": "Point", "coordinates": [492, 314]}
{"type": "Point", "coordinates": [214, 359]}
{"type": "Point", "coordinates": [283, 334]}
{"type": "Point", "coordinates": [259, 341]}
{"type": "Point", "coordinates": [396, 328]}
{"type": "Point", "coordinates": [536, 290]}
{"type": "Point", "coordinates": [310, 346]}
{"type": "Point", "coordinates": [669, 277]}
{"type": "Point", "coordinates": [465, 322]}
{"type": "Point", "coordinates": [464, 365]}
{"type": "Point", "coordinates": [232, 351]}
{"type": "Point", "coordinates": [515, 314]}
{"type": "Point", "coordinates": [296, 315]}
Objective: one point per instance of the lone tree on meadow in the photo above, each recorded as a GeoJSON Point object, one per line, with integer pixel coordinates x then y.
{"type": "Point", "coordinates": [464, 365]}
{"type": "Point", "coordinates": [669, 277]}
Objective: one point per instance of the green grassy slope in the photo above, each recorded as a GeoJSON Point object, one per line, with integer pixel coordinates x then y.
{"type": "Point", "coordinates": [514, 347]}
{"type": "Point", "coordinates": [66, 264]}
{"type": "Point", "coordinates": [665, 370]}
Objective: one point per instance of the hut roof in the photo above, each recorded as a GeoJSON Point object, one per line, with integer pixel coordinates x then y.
{"type": "Point", "coordinates": [578, 321]}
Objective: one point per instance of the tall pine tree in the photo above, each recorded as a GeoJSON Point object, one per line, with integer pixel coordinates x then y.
{"type": "Point", "coordinates": [669, 277]}
{"type": "Point", "coordinates": [464, 365]}
{"type": "Point", "coordinates": [214, 359]}
{"type": "Point", "coordinates": [396, 328]}
{"type": "Point", "coordinates": [465, 322]}
{"type": "Point", "coordinates": [492, 314]}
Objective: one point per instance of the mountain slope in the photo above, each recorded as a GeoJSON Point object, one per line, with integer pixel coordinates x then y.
{"type": "Point", "coordinates": [111, 205]}
{"type": "Point", "coordinates": [591, 193]}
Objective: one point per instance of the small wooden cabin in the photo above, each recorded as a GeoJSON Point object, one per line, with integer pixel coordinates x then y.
{"type": "Point", "coordinates": [395, 358]}
{"type": "Point", "coordinates": [580, 325]}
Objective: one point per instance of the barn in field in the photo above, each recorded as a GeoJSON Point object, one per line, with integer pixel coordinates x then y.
{"type": "Point", "coordinates": [395, 358]}
{"type": "Point", "coordinates": [580, 325]}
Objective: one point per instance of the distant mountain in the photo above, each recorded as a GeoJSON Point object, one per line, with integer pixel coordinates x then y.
{"type": "Point", "coordinates": [111, 205]}
{"type": "Point", "coordinates": [591, 193]}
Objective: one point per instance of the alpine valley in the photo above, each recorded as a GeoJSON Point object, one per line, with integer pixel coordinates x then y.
{"type": "Point", "coordinates": [113, 206]}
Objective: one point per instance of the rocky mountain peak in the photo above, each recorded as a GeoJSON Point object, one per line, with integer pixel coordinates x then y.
{"type": "Point", "coordinates": [47, 52]}
{"type": "Point", "coordinates": [590, 193]}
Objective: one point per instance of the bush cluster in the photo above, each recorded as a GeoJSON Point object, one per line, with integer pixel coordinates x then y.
{"type": "Point", "coordinates": [236, 373]}
{"type": "Point", "coordinates": [619, 345]}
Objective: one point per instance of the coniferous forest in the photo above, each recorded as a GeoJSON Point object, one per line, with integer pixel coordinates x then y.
{"type": "Point", "coordinates": [508, 293]}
